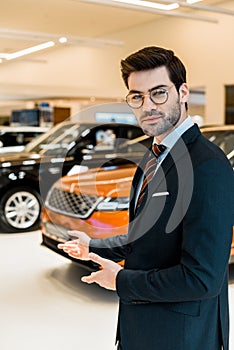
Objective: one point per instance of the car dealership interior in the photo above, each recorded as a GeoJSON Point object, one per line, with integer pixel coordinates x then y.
{"type": "Point", "coordinates": [60, 75]}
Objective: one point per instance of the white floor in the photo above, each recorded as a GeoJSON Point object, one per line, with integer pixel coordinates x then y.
{"type": "Point", "coordinates": [45, 306]}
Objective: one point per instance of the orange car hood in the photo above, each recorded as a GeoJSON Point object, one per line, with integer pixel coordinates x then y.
{"type": "Point", "coordinates": [105, 182]}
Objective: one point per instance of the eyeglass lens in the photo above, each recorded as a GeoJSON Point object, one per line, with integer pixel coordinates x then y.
{"type": "Point", "coordinates": [136, 100]}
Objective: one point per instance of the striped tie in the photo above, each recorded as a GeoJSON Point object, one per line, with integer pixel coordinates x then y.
{"type": "Point", "coordinates": [150, 169]}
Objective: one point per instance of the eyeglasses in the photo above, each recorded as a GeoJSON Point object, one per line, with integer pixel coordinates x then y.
{"type": "Point", "coordinates": [158, 96]}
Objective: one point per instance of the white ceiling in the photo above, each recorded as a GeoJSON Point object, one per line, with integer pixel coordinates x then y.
{"type": "Point", "coordinates": [27, 23]}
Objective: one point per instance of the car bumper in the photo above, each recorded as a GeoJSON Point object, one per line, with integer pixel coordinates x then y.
{"type": "Point", "coordinates": [51, 241]}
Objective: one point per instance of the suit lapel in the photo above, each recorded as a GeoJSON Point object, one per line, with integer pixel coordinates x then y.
{"type": "Point", "coordinates": [179, 150]}
{"type": "Point", "coordinates": [135, 183]}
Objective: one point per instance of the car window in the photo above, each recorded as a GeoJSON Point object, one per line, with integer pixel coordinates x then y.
{"type": "Point", "coordinates": [17, 138]}
{"type": "Point", "coordinates": [12, 139]}
{"type": "Point", "coordinates": [227, 144]}
{"type": "Point", "coordinates": [29, 136]}
{"type": "Point", "coordinates": [223, 139]}
{"type": "Point", "coordinates": [99, 139]}
{"type": "Point", "coordinates": [111, 139]}
{"type": "Point", "coordinates": [105, 140]}
{"type": "Point", "coordinates": [61, 137]}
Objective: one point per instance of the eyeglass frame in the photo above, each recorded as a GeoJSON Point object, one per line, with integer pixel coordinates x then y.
{"type": "Point", "coordinates": [149, 94]}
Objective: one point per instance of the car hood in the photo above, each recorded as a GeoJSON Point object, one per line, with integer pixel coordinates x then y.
{"type": "Point", "coordinates": [106, 182]}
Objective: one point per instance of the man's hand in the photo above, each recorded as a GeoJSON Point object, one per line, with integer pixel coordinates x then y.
{"type": "Point", "coordinates": [106, 277]}
{"type": "Point", "coordinates": [77, 248]}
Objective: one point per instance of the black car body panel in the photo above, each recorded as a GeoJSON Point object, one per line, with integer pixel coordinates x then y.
{"type": "Point", "coordinates": [53, 155]}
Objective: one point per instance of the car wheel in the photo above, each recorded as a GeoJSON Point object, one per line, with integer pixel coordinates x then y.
{"type": "Point", "coordinates": [21, 208]}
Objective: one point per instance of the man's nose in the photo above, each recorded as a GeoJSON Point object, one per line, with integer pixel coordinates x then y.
{"type": "Point", "coordinates": [148, 104]}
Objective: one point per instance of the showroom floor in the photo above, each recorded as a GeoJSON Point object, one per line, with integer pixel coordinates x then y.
{"type": "Point", "coordinates": [45, 306]}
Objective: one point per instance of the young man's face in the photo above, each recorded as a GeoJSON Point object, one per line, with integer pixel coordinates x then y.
{"type": "Point", "coordinates": [158, 119]}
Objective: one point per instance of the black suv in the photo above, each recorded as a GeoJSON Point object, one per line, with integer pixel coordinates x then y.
{"type": "Point", "coordinates": [26, 177]}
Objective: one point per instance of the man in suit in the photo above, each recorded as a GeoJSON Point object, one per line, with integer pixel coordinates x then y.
{"type": "Point", "coordinates": [173, 289]}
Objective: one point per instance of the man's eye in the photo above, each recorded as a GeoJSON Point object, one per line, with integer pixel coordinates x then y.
{"type": "Point", "coordinates": [158, 93]}
{"type": "Point", "coordinates": [136, 97]}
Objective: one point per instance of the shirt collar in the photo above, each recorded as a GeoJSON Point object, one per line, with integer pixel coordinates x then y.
{"type": "Point", "coordinates": [174, 136]}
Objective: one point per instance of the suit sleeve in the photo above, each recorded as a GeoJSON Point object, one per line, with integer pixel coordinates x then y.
{"type": "Point", "coordinates": [206, 242]}
{"type": "Point", "coordinates": [112, 248]}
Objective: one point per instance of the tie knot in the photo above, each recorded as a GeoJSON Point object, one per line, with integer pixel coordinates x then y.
{"type": "Point", "coordinates": [158, 149]}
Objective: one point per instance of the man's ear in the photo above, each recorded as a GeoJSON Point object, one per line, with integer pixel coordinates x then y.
{"type": "Point", "coordinates": [184, 93]}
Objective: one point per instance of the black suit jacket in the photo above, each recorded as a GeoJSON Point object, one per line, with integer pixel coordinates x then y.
{"type": "Point", "coordinates": [174, 288]}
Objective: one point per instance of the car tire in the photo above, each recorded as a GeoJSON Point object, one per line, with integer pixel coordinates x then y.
{"type": "Point", "coordinates": [20, 210]}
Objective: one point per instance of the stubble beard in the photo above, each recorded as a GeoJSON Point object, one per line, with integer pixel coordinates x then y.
{"type": "Point", "coordinates": [166, 123]}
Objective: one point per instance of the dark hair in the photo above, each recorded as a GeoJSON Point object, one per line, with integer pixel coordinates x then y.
{"type": "Point", "coordinates": [153, 57]}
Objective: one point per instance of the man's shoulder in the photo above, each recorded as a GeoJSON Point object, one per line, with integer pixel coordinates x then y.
{"type": "Point", "coordinates": [203, 150]}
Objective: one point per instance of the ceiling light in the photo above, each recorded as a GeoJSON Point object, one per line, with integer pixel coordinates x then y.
{"type": "Point", "coordinates": [39, 36]}
{"type": "Point", "coordinates": [4, 55]}
{"type": "Point", "coordinates": [63, 40]}
{"type": "Point", "coordinates": [154, 5]}
{"type": "Point", "coordinates": [193, 1]}
{"type": "Point", "coordinates": [151, 7]}
{"type": "Point", "coordinates": [29, 50]}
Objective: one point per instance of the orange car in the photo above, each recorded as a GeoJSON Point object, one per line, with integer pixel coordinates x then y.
{"type": "Point", "coordinates": [97, 201]}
